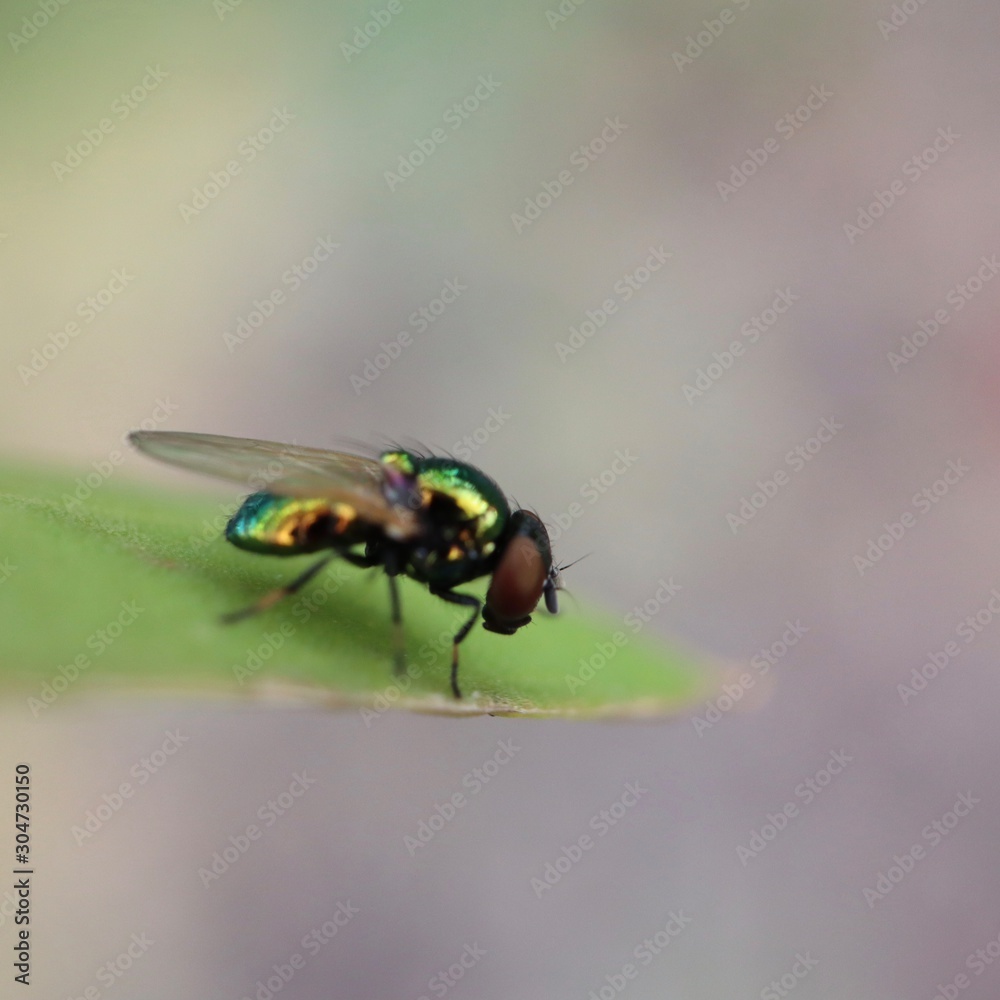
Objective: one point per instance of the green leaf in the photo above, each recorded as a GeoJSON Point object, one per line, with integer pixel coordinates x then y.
{"type": "Point", "coordinates": [125, 588]}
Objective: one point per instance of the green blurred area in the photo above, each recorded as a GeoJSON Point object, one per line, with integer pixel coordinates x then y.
{"type": "Point", "coordinates": [127, 586]}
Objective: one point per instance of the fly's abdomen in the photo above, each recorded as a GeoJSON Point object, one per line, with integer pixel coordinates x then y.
{"type": "Point", "coordinates": [293, 526]}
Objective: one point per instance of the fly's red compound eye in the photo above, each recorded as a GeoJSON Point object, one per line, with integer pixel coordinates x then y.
{"type": "Point", "coordinates": [516, 586]}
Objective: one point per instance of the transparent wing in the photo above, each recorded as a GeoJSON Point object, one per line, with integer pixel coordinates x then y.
{"type": "Point", "coordinates": [284, 469]}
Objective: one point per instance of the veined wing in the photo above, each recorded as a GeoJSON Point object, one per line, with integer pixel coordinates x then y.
{"type": "Point", "coordinates": [283, 469]}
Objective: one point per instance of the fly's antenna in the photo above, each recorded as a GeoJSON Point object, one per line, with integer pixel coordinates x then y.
{"type": "Point", "coordinates": [564, 566]}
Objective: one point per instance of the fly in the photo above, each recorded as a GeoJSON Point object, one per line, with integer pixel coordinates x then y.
{"type": "Point", "coordinates": [436, 520]}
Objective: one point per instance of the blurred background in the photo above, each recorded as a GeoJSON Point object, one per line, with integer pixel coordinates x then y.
{"type": "Point", "coordinates": [737, 261]}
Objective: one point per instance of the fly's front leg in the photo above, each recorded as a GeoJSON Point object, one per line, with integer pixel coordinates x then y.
{"type": "Point", "coordinates": [467, 601]}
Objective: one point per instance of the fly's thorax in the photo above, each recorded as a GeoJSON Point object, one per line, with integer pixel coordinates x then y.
{"type": "Point", "coordinates": [463, 515]}
{"type": "Point", "coordinates": [278, 525]}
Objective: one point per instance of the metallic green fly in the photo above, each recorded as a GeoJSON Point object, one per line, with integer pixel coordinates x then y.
{"type": "Point", "coordinates": [436, 520]}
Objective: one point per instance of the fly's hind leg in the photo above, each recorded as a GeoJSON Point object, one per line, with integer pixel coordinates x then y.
{"type": "Point", "coordinates": [280, 593]}
{"type": "Point", "coordinates": [273, 597]}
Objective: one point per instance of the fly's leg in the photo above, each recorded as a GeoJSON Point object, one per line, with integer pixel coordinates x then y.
{"type": "Point", "coordinates": [391, 561]}
{"type": "Point", "coordinates": [271, 598]}
{"type": "Point", "coordinates": [398, 638]}
{"type": "Point", "coordinates": [467, 601]}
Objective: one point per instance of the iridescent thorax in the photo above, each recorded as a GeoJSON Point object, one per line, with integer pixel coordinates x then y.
{"type": "Point", "coordinates": [466, 513]}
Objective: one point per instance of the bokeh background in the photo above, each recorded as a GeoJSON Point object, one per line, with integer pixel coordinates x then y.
{"type": "Point", "coordinates": [742, 143]}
